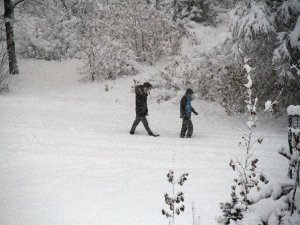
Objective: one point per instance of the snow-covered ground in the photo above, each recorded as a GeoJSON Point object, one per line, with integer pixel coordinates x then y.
{"type": "Point", "coordinates": [67, 158]}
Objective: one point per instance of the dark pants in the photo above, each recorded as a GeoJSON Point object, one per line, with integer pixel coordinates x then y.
{"type": "Point", "coordinates": [187, 125]}
{"type": "Point", "coordinates": [144, 120]}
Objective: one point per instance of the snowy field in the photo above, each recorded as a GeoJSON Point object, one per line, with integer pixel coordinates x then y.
{"type": "Point", "coordinates": [67, 158]}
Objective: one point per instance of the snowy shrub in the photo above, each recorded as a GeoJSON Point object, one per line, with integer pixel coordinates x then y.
{"type": "Point", "coordinates": [286, 14]}
{"type": "Point", "coordinates": [250, 20]}
{"type": "Point", "coordinates": [202, 75]}
{"type": "Point", "coordinates": [106, 60]}
{"type": "Point", "coordinates": [255, 26]}
{"type": "Point", "coordinates": [145, 31]}
{"type": "Point", "coordinates": [279, 201]}
{"type": "Point", "coordinates": [52, 39]}
{"type": "Point", "coordinates": [231, 210]}
{"type": "Point", "coordinates": [48, 31]}
{"type": "Point", "coordinates": [232, 89]}
{"type": "Point", "coordinates": [287, 52]}
{"type": "Point", "coordinates": [105, 57]}
{"type": "Point", "coordinates": [106, 36]}
{"type": "Point", "coordinates": [254, 32]}
{"type": "Point", "coordinates": [248, 179]}
{"type": "Point", "coordinates": [174, 201]}
{"type": "Point", "coordinates": [286, 59]}
{"type": "Point", "coordinates": [178, 75]}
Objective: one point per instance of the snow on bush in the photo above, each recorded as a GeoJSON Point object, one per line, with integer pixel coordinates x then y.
{"type": "Point", "coordinates": [53, 38]}
{"type": "Point", "coordinates": [107, 36]}
{"type": "Point", "coordinates": [286, 55]}
{"type": "Point", "coordinates": [248, 21]}
{"type": "Point", "coordinates": [106, 61]}
{"type": "Point", "coordinates": [253, 28]}
{"type": "Point", "coordinates": [287, 50]}
{"type": "Point", "coordinates": [104, 57]}
{"type": "Point", "coordinates": [276, 203]}
{"type": "Point", "coordinates": [262, 30]}
{"type": "Point", "coordinates": [286, 61]}
{"type": "Point", "coordinates": [202, 75]}
{"type": "Point", "coordinates": [286, 12]}
{"type": "Point", "coordinates": [145, 31]}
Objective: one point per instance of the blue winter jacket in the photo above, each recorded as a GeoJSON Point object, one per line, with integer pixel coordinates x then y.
{"type": "Point", "coordinates": [186, 108]}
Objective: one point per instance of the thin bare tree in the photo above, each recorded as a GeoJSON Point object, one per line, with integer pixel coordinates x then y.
{"type": "Point", "coordinates": [9, 6]}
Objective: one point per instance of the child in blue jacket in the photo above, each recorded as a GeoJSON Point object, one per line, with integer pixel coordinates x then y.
{"type": "Point", "coordinates": [186, 111]}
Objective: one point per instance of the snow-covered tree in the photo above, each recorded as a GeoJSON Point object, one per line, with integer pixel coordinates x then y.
{"type": "Point", "coordinates": [146, 32]}
{"type": "Point", "coordinates": [287, 52]}
{"type": "Point", "coordinates": [195, 10]}
{"type": "Point", "coordinates": [253, 29]}
{"type": "Point", "coordinates": [256, 25]}
{"type": "Point", "coordinates": [49, 32]}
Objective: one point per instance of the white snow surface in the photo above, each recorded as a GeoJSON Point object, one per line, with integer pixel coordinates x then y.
{"type": "Point", "coordinates": [205, 37]}
{"type": "Point", "coordinates": [293, 110]}
{"type": "Point", "coordinates": [67, 158]}
{"type": "Point", "coordinates": [262, 211]}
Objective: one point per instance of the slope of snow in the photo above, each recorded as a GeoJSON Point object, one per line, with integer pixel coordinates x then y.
{"type": "Point", "coordinates": [66, 156]}
{"type": "Point", "coordinates": [205, 37]}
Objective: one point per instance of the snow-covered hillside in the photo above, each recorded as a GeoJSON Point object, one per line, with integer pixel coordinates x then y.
{"type": "Point", "coordinates": [67, 156]}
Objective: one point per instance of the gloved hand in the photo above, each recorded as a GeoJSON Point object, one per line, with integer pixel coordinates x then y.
{"type": "Point", "coordinates": [195, 113]}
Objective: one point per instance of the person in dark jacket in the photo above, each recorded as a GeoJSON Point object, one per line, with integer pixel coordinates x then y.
{"type": "Point", "coordinates": [186, 111]}
{"type": "Point", "coordinates": [141, 107]}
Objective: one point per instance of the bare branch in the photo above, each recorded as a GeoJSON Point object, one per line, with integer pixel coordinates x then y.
{"type": "Point", "coordinates": [284, 154]}
{"type": "Point", "coordinates": [16, 2]}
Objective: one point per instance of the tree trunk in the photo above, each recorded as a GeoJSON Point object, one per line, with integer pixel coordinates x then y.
{"type": "Point", "coordinates": [157, 2]}
{"type": "Point", "coordinates": [175, 10]}
{"type": "Point", "coordinates": [10, 43]}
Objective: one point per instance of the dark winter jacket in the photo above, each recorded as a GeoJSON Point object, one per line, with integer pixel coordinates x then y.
{"type": "Point", "coordinates": [141, 108]}
{"type": "Point", "coordinates": [186, 108]}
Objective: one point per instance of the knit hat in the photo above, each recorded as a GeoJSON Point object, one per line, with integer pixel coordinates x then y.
{"type": "Point", "coordinates": [189, 91]}
{"type": "Point", "coordinates": [147, 85]}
